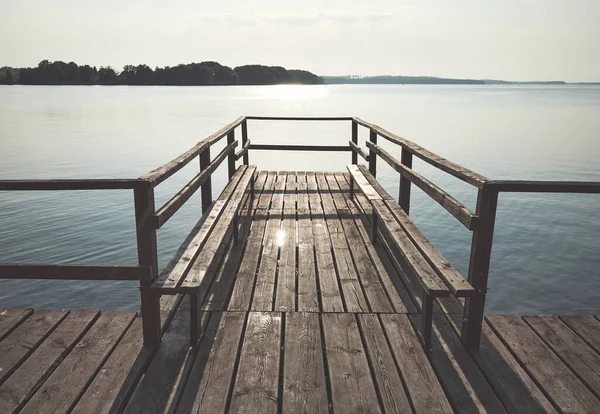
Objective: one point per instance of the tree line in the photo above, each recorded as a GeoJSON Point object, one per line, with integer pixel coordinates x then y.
{"type": "Point", "coordinates": [204, 73]}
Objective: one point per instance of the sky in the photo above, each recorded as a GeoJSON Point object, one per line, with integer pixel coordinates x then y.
{"type": "Point", "coordinates": [480, 39]}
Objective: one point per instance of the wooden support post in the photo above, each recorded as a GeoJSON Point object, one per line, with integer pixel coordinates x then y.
{"type": "Point", "coordinates": [404, 192]}
{"type": "Point", "coordinates": [372, 154]}
{"type": "Point", "coordinates": [244, 140]}
{"type": "Point", "coordinates": [206, 189]}
{"type": "Point", "coordinates": [479, 265]}
{"type": "Point", "coordinates": [426, 318]}
{"type": "Point", "coordinates": [355, 140]}
{"type": "Point", "coordinates": [147, 256]}
{"type": "Point", "coordinates": [231, 156]}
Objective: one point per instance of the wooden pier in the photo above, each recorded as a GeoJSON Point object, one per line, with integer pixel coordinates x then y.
{"type": "Point", "coordinates": [298, 291]}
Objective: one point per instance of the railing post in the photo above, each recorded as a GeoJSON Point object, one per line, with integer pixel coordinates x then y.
{"type": "Point", "coordinates": [372, 155]}
{"type": "Point", "coordinates": [244, 140]}
{"type": "Point", "coordinates": [404, 192]}
{"type": "Point", "coordinates": [355, 140]}
{"type": "Point", "coordinates": [206, 189]}
{"type": "Point", "coordinates": [231, 156]}
{"type": "Point", "coordinates": [479, 265]}
{"type": "Point", "coordinates": [143, 196]}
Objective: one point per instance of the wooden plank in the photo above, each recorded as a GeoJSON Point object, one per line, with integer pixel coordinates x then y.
{"type": "Point", "coordinates": [429, 157]}
{"type": "Point", "coordinates": [241, 296]}
{"type": "Point", "coordinates": [401, 303]}
{"type": "Point", "coordinates": [558, 382]}
{"type": "Point", "coordinates": [352, 388]}
{"type": "Point", "coordinates": [257, 379]}
{"type": "Point", "coordinates": [374, 291]}
{"type": "Point", "coordinates": [160, 388]}
{"type": "Point", "coordinates": [207, 389]}
{"type": "Point", "coordinates": [387, 378]}
{"type": "Point", "coordinates": [570, 348]}
{"type": "Point", "coordinates": [290, 198]}
{"type": "Point", "coordinates": [424, 388]}
{"type": "Point", "coordinates": [259, 186]}
{"type": "Point", "coordinates": [354, 297]}
{"type": "Point", "coordinates": [303, 198]}
{"type": "Point", "coordinates": [31, 374]}
{"type": "Point", "coordinates": [308, 300]}
{"type": "Point", "coordinates": [61, 391]}
{"type": "Point", "coordinates": [304, 382]}
{"type": "Point", "coordinates": [178, 200]}
{"type": "Point", "coordinates": [73, 272]}
{"type": "Point", "coordinates": [277, 203]}
{"type": "Point", "coordinates": [179, 267]}
{"type": "Point", "coordinates": [265, 198]}
{"type": "Point", "coordinates": [165, 171]}
{"type": "Point", "coordinates": [362, 183]}
{"type": "Point", "coordinates": [10, 318]}
{"type": "Point", "coordinates": [587, 327]}
{"type": "Point", "coordinates": [427, 277]}
{"type": "Point", "coordinates": [17, 346]}
{"type": "Point", "coordinates": [466, 387]}
{"type": "Point", "coordinates": [450, 204]}
{"type": "Point", "coordinates": [265, 279]}
{"type": "Point", "coordinates": [513, 386]}
{"type": "Point", "coordinates": [358, 150]}
{"type": "Point", "coordinates": [118, 377]}
{"type": "Point", "coordinates": [212, 251]}
{"type": "Point", "coordinates": [330, 294]}
{"type": "Point", "coordinates": [285, 297]}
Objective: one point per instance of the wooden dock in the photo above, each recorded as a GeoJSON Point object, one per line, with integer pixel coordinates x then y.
{"type": "Point", "coordinates": [298, 292]}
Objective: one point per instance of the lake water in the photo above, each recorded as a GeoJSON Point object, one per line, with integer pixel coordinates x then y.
{"type": "Point", "coordinates": [546, 247]}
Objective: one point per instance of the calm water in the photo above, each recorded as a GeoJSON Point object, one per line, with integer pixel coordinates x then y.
{"type": "Point", "coordinates": [545, 257]}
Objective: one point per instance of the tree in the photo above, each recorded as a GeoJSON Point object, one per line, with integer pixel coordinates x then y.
{"type": "Point", "coordinates": [107, 76]}
{"type": "Point", "coordinates": [8, 78]}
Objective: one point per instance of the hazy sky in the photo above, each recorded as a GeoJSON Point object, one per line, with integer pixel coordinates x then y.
{"type": "Point", "coordinates": [499, 39]}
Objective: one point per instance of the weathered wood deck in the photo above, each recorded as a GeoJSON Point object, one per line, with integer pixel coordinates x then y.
{"type": "Point", "coordinates": [305, 314]}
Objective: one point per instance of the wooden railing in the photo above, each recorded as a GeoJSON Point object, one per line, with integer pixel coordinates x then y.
{"type": "Point", "coordinates": [149, 220]}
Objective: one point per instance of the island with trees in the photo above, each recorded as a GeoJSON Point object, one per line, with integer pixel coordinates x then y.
{"type": "Point", "coordinates": [192, 74]}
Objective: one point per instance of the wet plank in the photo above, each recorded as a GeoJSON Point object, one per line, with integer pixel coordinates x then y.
{"type": "Point", "coordinates": [386, 375]}
{"type": "Point", "coordinates": [423, 387]}
{"type": "Point", "coordinates": [32, 373]}
{"type": "Point", "coordinates": [62, 389]}
{"type": "Point", "coordinates": [304, 383]}
{"type": "Point", "coordinates": [558, 382]}
{"type": "Point", "coordinates": [352, 388]}
{"type": "Point", "coordinates": [257, 379]}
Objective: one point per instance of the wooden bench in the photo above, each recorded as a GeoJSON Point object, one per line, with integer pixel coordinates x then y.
{"type": "Point", "coordinates": [198, 259]}
{"type": "Point", "coordinates": [436, 276]}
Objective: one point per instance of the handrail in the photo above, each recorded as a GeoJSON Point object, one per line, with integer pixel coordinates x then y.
{"type": "Point", "coordinates": [519, 186]}
{"type": "Point", "coordinates": [243, 151]}
{"type": "Point", "coordinates": [277, 147]}
{"type": "Point", "coordinates": [429, 157]}
{"type": "Point", "coordinates": [70, 184]}
{"type": "Point", "coordinates": [453, 206]}
{"type": "Point", "coordinates": [299, 118]}
{"type": "Point", "coordinates": [179, 199]}
{"type": "Point", "coordinates": [163, 172]}
{"type": "Point", "coordinates": [73, 272]}
{"type": "Point", "coordinates": [359, 150]}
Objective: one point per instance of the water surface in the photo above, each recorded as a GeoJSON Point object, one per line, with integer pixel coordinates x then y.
{"type": "Point", "coordinates": [545, 257]}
